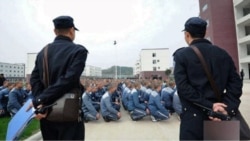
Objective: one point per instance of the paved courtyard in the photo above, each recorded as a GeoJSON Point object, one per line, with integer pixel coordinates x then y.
{"type": "Point", "coordinates": [126, 129]}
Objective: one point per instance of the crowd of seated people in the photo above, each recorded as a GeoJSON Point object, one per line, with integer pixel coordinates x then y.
{"type": "Point", "coordinates": [13, 96]}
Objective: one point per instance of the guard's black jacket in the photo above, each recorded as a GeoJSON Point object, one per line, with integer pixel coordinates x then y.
{"type": "Point", "coordinates": [66, 62]}
{"type": "Point", "coordinates": [193, 85]}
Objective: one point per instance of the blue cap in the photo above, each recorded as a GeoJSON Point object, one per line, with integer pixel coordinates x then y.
{"type": "Point", "coordinates": [196, 26]}
{"type": "Point", "coordinates": [62, 22]}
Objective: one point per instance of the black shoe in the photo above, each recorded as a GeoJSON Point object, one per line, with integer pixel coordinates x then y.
{"type": "Point", "coordinates": [106, 119]}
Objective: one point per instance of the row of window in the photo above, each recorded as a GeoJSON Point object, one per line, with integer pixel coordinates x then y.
{"type": "Point", "coordinates": [155, 68]}
{"type": "Point", "coordinates": [14, 67]}
{"type": "Point", "coordinates": [14, 75]}
{"type": "Point", "coordinates": [12, 71]}
{"type": "Point", "coordinates": [154, 61]}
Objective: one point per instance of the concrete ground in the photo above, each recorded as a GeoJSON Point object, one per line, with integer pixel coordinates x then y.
{"type": "Point", "coordinates": [126, 129]}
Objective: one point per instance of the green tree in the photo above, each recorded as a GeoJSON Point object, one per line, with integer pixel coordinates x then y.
{"type": "Point", "coordinates": [168, 72]}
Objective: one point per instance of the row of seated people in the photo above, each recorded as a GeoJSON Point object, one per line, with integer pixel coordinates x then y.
{"type": "Point", "coordinates": [98, 98]}
{"type": "Point", "coordinates": [12, 97]}
{"type": "Point", "coordinates": [149, 98]}
{"type": "Point", "coordinates": [138, 98]}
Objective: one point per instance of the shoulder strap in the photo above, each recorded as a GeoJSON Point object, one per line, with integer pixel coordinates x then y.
{"type": "Point", "coordinates": [45, 67]}
{"type": "Point", "coordinates": [209, 76]}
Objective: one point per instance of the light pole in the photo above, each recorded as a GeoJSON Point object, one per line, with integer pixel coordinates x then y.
{"type": "Point", "coordinates": [115, 61]}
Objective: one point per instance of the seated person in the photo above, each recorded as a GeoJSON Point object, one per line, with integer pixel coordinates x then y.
{"type": "Point", "coordinates": [5, 84]}
{"type": "Point", "coordinates": [157, 110]}
{"type": "Point", "coordinates": [17, 97]}
{"type": "Point", "coordinates": [89, 111]}
{"type": "Point", "coordinates": [147, 92]}
{"type": "Point", "coordinates": [95, 99]}
{"type": "Point", "coordinates": [28, 90]}
{"type": "Point", "coordinates": [109, 113]}
{"type": "Point", "coordinates": [177, 104]}
{"type": "Point", "coordinates": [137, 110]}
{"type": "Point", "coordinates": [125, 94]}
{"type": "Point", "coordinates": [4, 98]}
{"type": "Point", "coordinates": [167, 94]}
{"type": "Point", "coordinates": [115, 99]}
{"type": "Point", "coordinates": [100, 91]}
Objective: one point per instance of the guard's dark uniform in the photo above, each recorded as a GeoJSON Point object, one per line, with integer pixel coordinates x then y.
{"type": "Point", "coordinates": [66, 62]}
{"type": "Point", "coordinates": [194, 87]}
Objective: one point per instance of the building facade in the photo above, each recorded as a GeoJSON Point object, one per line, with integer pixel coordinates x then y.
{"type": "Point", "coordinates": [137, 68]}
{"type": "Point", "coordinates": [92, 71]}
{"type": "Point", "coordinates": [153, 63]}
{"type": "Point", "coordinates": [31, 58]}
{"type": "Point", "coordinates": [242, 19]}
{"type": "Point", "coordinates": [219, 15]}
{"type": "Point", "coordinates": [13, 72]}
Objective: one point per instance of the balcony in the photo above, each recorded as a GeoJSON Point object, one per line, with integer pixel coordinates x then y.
{"type": "Point", "coordinates": [245, 59]}
{"type": "Point", "coordinates": [244, 20]}
{"type": "Point", "coordinates": [244, 40]}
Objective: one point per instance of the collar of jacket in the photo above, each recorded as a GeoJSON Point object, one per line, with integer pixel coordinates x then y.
{"type": "Point", "coordinates": [61, 37]}
{"type": "Point", "coordinates": [200, 41]}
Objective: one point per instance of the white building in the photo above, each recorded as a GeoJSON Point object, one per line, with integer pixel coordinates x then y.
{"type": "Point", "coordinates": [153, 62]}
{"type": "Point", "coordinates": [31, 58]}
{"type": "Point", "coordinates": [12, 70]}
{"type": "Point", "coordinates": [92, 71]}
{"type": "Point", "coordinates": [242, 22]}
{"type": "Point", "coordinates": [88, 71]}
{"type": "Point", "coordinates": [137, 68]}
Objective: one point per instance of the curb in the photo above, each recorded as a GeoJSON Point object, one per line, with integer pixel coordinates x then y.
{"type": "Point", "coordinates": [36, 137]}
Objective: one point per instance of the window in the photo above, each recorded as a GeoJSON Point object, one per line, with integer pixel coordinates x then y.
{"type": "Point", "coordinates": [204, 8]}
{"type": "Point", "coordinates": [158, 60]}
{"type": "Point", "coordinates": [159, 68]}
{"type": "Point", "coordinates": [154, 68]}
{"type": "Point", "coordinates": [246, 11]}
{"type": "Point", "coordinates": [248, 49]}
{"type": "Point", "coordinates": [247, 30]}
{"type": "Point", "coordinates": [154, 61]}
{"type": "Point", "coordinates": [153, 54]}
{"type": "Point", "coordinates": [207, 22]}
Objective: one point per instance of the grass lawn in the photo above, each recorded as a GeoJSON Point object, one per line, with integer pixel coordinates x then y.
{"type": "Point", "coordinates": [32, 128]}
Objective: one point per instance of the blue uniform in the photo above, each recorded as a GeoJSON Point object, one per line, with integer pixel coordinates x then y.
{"type": "Point", "coordinates": [125, 95]}
{"type": "Point", "coordinates": [177, 104]}
{"type": "Point", "coordinates": [157, 110]}
{"type": "Point", "coordinates": [17, 97]}
{"type": "Point", "coordinates": [136, 109]}
{"type": "Point", "coordinates": [4, 94]}
{"type": "Point", "coordinates": [167, 97]}
{"type": "Point", "coordinates": [109, 113]}
{"type": "Point", "coordinates": [88, 108]}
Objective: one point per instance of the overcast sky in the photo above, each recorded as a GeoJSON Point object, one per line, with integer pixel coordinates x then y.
{"type": "Point", "coordinates": [26, 27]}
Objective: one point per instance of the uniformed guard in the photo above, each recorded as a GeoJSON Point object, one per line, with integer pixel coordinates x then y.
{"type": "Point", "coordinates": [66, 62]}
{"type": "Point", "coordinates": [193, 85]}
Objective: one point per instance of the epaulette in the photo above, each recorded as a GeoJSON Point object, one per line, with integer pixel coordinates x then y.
{"type": "Point", "coordinates": [178, 50]}
{"type": "Point", "coordinates": [82, 47]}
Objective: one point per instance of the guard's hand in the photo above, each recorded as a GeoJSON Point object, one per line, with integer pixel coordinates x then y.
{"type": "Point", "coordinates": [40, 116]}
{"type": "Point", "coordinates": [219, 107]}
{"type": "Point", "coordinates": [37, 116]}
